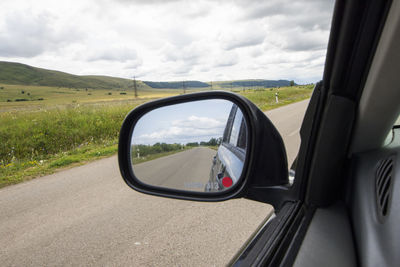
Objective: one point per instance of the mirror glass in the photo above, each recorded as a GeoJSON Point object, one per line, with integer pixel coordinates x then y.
{"type": "Point", "coordinates": [194, 146]}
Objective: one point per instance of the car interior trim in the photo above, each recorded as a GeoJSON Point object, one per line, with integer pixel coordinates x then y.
{"type": "Point", "coordinates": [370, 130]}
{"type": "Point", "coordinates": [378, 239]}
{"type": "Point", "coordinates": [328, 241]}
{"type": "Point", "coordinates": [261, 249]}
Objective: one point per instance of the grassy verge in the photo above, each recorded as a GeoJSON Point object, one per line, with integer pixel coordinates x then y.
{"type": "Point", "coordinates": [40, 135]}
{"type": "Point", "coordinates": [35, 142]}
{"type": "Point", "coordinates": [23, 170]}
{"type": "Point", "coordinates": [265, 98]}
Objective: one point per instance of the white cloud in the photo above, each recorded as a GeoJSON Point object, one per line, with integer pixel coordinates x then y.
{"type": "Point", "coordinates": [120, 54]}
{"type": "Point", "coordinates": [195, 122]}
{"type": "Point", "coordinates": [26, 34]}
{"type": "Point", "coordinates": [242, 37]}
{"type": "Point", "coordinates": [191, 128]}
{"type": "Point", "coordinates": [169, 40]}
{"type": "Point", "coordinates": [228, 59]}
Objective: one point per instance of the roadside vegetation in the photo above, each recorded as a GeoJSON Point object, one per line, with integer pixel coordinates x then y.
{"type": "Point", "coordinates": [142, 153]}
{"type": "Point", "coordinates": [36, 142]}
{"type": "Point", "coordinates": [73, 126]}
{"type": "Point", "coordinates": [265, 99]}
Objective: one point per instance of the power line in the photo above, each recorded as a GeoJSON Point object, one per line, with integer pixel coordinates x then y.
{"type": "Point", "coordinates": [134, 86]}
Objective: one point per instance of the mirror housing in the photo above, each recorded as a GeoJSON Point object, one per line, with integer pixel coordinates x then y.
{"type": "Point", "coordinates": [265, 164]}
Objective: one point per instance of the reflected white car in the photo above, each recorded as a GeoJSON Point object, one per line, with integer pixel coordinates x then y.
{"type": "Point", "coordinates": [228, 162]}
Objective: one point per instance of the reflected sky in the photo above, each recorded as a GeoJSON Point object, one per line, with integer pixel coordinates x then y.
{"type": "Point", "coordinates": [183, 123]}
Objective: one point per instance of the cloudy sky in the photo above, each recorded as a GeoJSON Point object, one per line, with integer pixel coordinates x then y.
{"type": "Point", "coordinates": [171, 39]}
{"type": "Point", "coordinates": [183, 123]}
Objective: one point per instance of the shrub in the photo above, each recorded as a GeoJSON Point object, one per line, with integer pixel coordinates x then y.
{"type": "Point", "coordinates": [38, 135]}
{"type": "Point", "coordinates": [145, 150]}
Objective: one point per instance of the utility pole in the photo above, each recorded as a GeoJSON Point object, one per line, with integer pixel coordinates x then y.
{"type": "Point", "coordinates": [134, 86]}
{"type": "Point", "coordinates": [231, 86]}
{"type": "Point", "coordinates": [184, 87]}
{"type": "Point", "coordinates": [211, 85]}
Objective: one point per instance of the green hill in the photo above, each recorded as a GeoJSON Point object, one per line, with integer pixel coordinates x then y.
{"type": "Point", "coordinates": [17, 73]}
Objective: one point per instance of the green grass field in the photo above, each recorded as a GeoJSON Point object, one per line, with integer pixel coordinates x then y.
{"type": "Point", "coordinates": [30, 97]}
{"type": "Point", "coordinates": [71, 126]}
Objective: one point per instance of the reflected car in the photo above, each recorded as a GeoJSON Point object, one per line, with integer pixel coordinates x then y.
{"type": "Point", "coordinates": [227, 164]}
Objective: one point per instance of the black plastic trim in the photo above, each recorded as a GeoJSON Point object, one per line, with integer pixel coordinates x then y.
{"type": "Point", "coordinates": [263, 247]}
{"type": "Point", "coordinates": [303, 221]}
{"type": "Point", "coordinates": [355, 32]}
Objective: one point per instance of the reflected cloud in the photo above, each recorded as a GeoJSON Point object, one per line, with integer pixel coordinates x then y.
{"type": "Point", "coordinates": [189, 128]}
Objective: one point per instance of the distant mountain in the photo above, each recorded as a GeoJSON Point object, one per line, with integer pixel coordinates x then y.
{"type": "Point", "coordinates": [219, 84]}
{"type": "Point", "coordinates": [177, 85]}
{"type": "Point", "coordinates": [17, 73]}
{"type": "Point", "coordinates": [254, 83]}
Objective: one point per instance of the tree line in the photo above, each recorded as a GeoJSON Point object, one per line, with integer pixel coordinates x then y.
{"type": "Point", "coordinates": [145, 150]}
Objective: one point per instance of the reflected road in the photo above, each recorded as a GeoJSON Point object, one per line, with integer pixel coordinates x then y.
{"type": "Point", "coordinates": [185, 170]}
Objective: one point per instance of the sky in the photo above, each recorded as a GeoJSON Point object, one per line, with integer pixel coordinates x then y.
{"type": "Point", "coordinates": [170, 40]}
{"type": "Point", "coordinates": [183, 123]}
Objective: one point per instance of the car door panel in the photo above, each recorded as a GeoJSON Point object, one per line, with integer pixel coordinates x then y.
{"type": "Point", "coordinates": [328, 241]}
{"type": "Point", "coordinates": [376, 179]}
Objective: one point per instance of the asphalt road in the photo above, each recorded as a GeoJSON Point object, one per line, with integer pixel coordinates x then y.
{"type": "Point", "coordinates": [87, 216]}
{"type": "Point", "coordinates": [187, 170]}
{"type": "Point", "coordinates": [288, 121]}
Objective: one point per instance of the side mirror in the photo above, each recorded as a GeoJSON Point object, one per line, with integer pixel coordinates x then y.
{"type": "Point", "coordinates": [208, 146]}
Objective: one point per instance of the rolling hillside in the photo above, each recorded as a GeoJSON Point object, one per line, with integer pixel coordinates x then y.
{"type": "Point", "coordinates": [17, 73]}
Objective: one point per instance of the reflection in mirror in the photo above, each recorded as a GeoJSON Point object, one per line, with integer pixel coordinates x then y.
{"type": "Point", "coordinates": [195, 146]}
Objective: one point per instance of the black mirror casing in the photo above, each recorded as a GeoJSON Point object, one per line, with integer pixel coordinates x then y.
{"type": "Point", "coordinates": [265, 164]}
